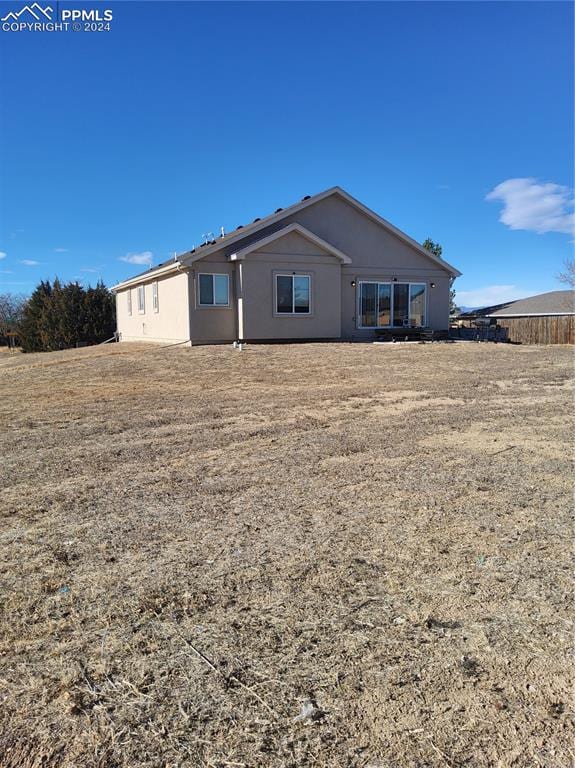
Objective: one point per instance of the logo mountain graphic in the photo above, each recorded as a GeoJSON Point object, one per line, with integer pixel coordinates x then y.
{"type": "Point", "coordinates": [35, 10]}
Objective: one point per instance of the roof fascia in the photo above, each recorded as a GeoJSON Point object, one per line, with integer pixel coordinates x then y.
{"type": "Point", "coordinates": [532, 314]}
{"type": "Point", "coordinates": [188, 257]}
{"type": "Point", "coordinates": [161, 271]}
{"type": "Point", "coordinates": [397, 232]}
{"type": "Point", "coordinates": [295, 227]}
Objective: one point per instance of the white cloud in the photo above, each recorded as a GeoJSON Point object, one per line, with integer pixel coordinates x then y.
{"type": "Point", "coordinates": [6, 271]}
{"type": "Point", "coordinates": [537, 207]}
{"type": "Point", "coordinates": [491, 294]}
{"type": "Point", "coordinates": [29, 262]}
{"type": "Point", "coordinates": [61, 250]}
{"type": "Point", "coordinates": [89, 269]}
{"type": "Point", "coordinates": [3, 255]}
{"type": "Point", "coordinates": [146, 257]}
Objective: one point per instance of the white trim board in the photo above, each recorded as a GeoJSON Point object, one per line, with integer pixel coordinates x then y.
{"type": "Point", "coordinates": [174, 266]}
{"type": "Point", "coordinates": [534, 314]}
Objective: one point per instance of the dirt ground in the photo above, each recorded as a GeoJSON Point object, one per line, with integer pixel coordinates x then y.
{"type": "Point", "coordinates": [307, 555]}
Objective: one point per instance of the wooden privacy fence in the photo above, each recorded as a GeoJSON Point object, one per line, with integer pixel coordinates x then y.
{"type": "Point", "coordinates": [559, 329]}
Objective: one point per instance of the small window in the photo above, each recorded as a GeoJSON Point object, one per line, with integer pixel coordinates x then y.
{"type": "Point", "coordinates": [129, 298]}
{"type": "Point", "coordinates": [213, 290]}
{"type": "Point", "coordinates": [141, 299]}
{"type": "Point", "coordinates": [293, 294]}
{"type": "Point", "coordinates": [155, 304]}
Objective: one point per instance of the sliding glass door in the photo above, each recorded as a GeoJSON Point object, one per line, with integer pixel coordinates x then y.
{"type": "Point", "coordinates": [400, 304]}
{"type": "Point", "coordinates": [417, 304]}
{"type": "Point", "coordinates": [384, 305]}
{"type": "Point", "coordinates": [368, 297]}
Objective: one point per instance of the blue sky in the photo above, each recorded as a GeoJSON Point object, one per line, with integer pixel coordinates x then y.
{"type": "Point", "coordinates": [186, 117]}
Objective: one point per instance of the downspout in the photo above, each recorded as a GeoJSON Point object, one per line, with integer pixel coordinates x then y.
{"type": "Point", "coordinates": [236, 302]}
{"type": "Point", "coordinates": [180, 268]}
{"type": "Point", "coordinates": [239, 313]}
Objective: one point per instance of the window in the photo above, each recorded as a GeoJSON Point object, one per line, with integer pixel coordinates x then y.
{"type": "Point", "coordinates": [213, 290]}
{"type": "Point", "coordinates": [129, 297]}
{"type": "Point", "coordinates": [155, 304]}
{"type": "Point", "coordinates": [293, 294]}
{"type": "Point", "coordinates": [141, 299]}
{"type": "Point", "coordinates": [391, 304]}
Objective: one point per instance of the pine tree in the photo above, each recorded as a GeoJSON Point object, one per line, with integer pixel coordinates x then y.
{"type": "Point", "coordinates": [31, 329]}
{"type": "Point", "coordinates": [71, 315]}
{"type": "Point", "coordinates": [100, 317]}
{"type": "Point", "coordinates": [434, 248]}
{"type": "Point", "coordinates": [58, 316]}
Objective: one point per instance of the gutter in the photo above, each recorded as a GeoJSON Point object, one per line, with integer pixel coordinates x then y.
{"type": "Point", "coordinates": [175, 266]}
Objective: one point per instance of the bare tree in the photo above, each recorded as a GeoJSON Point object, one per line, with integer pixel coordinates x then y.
{"type": "Point", "coordinates": [11, 313]}
{"type": "Point", "coordinates": [568, 275]}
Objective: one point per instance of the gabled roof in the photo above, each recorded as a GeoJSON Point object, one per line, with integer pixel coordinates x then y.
{"type": "Point", "coordinates": [238, 234]}
{"type": "Point", "coordinates": [484, 311]}
{"type": "Point", "coordinates": [323, 244]}
{"type": "Point", "coordinates": [189, 257]}
{"type": "Point", "coordinates": [551, 303]}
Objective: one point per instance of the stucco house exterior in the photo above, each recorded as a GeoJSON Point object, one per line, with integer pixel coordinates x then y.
{"type": "Point", "coordinates": [327, 267]}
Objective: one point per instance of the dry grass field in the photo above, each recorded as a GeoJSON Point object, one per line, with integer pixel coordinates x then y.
{"type": "Point", "coordinates": [311, 555]}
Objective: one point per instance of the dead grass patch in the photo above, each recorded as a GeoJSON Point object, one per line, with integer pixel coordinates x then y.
{"type": "Point", "coordinates": [327, 555]}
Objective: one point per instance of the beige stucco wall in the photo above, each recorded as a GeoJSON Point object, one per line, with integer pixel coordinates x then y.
{"type": "Point", "coordinates": [213, 324]}
{"type": "Point", "coordinates": [366, 241]}
{"type": "Point", "coordinates": [376, 253]}
{"type": "Point", "coordinates": [257, 273]}
{"type": "Point", "coordinates": [169, 325]}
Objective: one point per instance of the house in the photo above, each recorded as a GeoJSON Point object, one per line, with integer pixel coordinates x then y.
{"type": "Point", "coordinates": [327, 267]}
{"type": "Point", "coordinates": [547, 318]}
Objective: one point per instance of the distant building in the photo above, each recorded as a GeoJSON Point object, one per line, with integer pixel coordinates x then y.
{"type": "Point", "coordinates": [547, 318]}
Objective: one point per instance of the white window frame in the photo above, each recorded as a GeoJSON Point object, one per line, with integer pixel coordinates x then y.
{"type": "Point", "coordinates": [155, 300]}
{"type": "Point", "coordinates": [129, 299]}
{"type": "Point", "coordinates": [391, 307]}
{"type": "Point", "coordinates": [292, 313]}
{"type": "Point", "coordinates": [213, 275]}
{"type": "Point", "coordinates": [141, 299]}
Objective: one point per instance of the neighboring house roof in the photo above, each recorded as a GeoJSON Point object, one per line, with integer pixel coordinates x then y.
{"type": "Point", "coordinates": [551, 303]}
{"type": "Point", "coordinates": [241, 254]}
{"type": "Point", "coordinates": [483, 311]}
{"type": "Point", "coordinates": [206, 249]}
